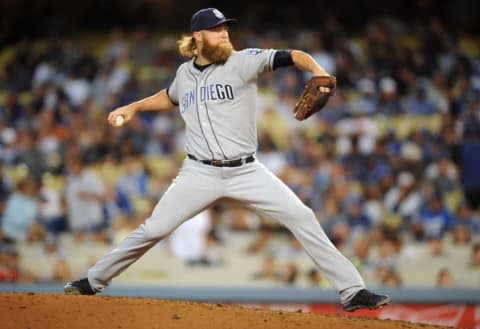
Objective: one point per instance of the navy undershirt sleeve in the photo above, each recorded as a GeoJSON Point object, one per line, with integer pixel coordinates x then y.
{"type": "Point", "coordinates": [282, 58]}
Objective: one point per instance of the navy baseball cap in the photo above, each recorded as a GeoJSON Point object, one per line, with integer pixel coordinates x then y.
{"type": "Point", "coordinates": [207, 18]}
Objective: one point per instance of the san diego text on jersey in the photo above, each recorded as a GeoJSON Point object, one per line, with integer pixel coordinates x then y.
{"type": "Point", "coordinates": [209, 92]}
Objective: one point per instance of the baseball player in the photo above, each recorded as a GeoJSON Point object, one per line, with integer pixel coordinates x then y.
{"type": "Point", "coordinates": [215, 92]}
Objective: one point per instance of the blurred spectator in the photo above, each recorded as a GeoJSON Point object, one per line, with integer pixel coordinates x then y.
{"type": "Point", "coordinates": [132, 185]}
{"type": "Point", "coordinates": [315, 279]}
{"type": "Point", "coordinates": [345, 64]}
{"type": "Point", "coordinates": [443, 174]}
{"type": "Point", "coordinates": [475, 264]}
{"type": "Point", "coordinates": [389, 103]}
{"type": "Point", "coordinates": [361, 248]}
{"type": "Point", "coordinates": [461, 235]}
{"type": "Point", "coordinates": [189, 241]}
{"type": "Point", "coordinates": [438, 90]}
{"type": "Point", "coordinates": [289, 274]}
{"type": "Point", "coordinates": [44, 73]}
{"type": "Point", "coordinates": [11, 110]}
{"type": "Point", "coordinates": [100, 84]}
{"type": "Point", "coordinates": [373, 207]}
{"type": "Point", "coordinates": [379, 165]}
{"type": "Point", "coordinates": [52, 209]}
{"type": "Point", "coordinates": [112, 214]}
{"type": "Point", "coordinates": [332, 216]}
{"type": "Point", "coordinates": [475, 257]}
{"type": "Point", "coordinates": [419, 102]}
{"type": "Point", "coordinates": [239, 218]}
{"type": "Point", "coordinates": [84, 196]}
{"type": "Point", "coordinates": [380, 43]}
{"type": "Point", "coordinates": [387, 257]}
{"type": "Point", "coordinates": [163, 135]}
{"type": "Point", "coordinates": [355, 216]}
{"type": "Point", "coordinates": [117, 47]}
{"type": "Point", "coordinates": [77, 89]}
{"type": "Point", "coordinates": [391, 279]}
{"type": "Point", "coordinates": [354, 161]}
{"type": "Point", "coordinates": [412, 157]}
{"type": "Point", "coordinates": [433, 220]}
{"type": "Point", "coordinates": [341, 235]}
{"type": "Point", "coordinates": [20, 220]}
{"type": "Point", "coordinates": [428, 146]}
{"type": "Point", "coordinates": [305, 190]}
{"type": "Point", "coordinates": [18, 68]}
{"type": "Point", "coordinates": [314, 42]}
{"type": "Point", "coordinates": [54, 262]}
{"type": "Point", "coordinates": [445, 279]}
{"type": "Point", "coordinates": [30, 156]}
{"type": "Point", "coordinates": [470, 122]}
{"type": "Point", "coordinates": [143, 49]}
{"type": "Point", "coordinates": [268, 270]}
{"type": "Point", "coordinates": [336, 109]}
{"type": "Point", "coordinates": [8, 143]}
{"type": "Point", "coordinates": [325, 171]}
{"type": "Point", "coordinates": [292, 250]}
{"type": "Point", "coordinates": [260, 242]}
{"type": "Point", "coordinates": [48, 139]}
{"type": "Point", "coordinates": [5, 187]}
{"type": "Point", "coordinates": [269, 154]}
{"type": "Point", "coordinates": [357, 133]}
{"type": "Point", "coordinates": [10, 270]}
{"type": "Point", "coordinates": [437, 247]}
{"type": "Point", "coordinates": [465, 218]}
{"type": "Point", "coordinates": [288, 82]}
{"type": "Point", "coordinates": [367, 101]}
{"type": "Point", "coordinates": [404, 198]}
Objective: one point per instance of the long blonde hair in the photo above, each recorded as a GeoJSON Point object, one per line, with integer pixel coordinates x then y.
{"type": "Point", "coordinates": [187, 46]}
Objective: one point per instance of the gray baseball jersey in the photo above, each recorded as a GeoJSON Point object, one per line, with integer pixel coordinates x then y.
{"type": "Point", "coordinates": [218, 106]}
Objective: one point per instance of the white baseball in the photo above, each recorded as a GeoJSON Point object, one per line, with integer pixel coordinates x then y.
{"type": "Point", "coordinates": [119, 120]}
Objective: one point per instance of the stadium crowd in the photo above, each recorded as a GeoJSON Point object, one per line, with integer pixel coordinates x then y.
{"type": "Point", "coordinates": [390, 166]}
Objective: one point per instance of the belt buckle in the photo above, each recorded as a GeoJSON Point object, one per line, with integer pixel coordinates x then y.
{"type": "Point", "coordinates": [217, 163]}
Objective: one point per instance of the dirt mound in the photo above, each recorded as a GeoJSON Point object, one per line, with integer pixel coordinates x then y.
{"type": "Point", "coordinates": [42, 311]}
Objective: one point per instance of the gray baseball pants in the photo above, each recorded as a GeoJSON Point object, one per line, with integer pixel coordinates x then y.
{"type": "Point", "coordinates": [199, 185]}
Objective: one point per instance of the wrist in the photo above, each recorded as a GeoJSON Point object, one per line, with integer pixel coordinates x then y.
{"type": "Point", "coordinates": [135, 107]}
{"type": "Point", "coordinates": [320, 72]}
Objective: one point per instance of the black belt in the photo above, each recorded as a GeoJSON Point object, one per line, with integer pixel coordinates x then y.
{"type": "Point", "coordinates": [224, 163]}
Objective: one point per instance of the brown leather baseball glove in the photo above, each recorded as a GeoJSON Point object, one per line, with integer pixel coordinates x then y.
{"type": "Point", "coordinates": [312, 99]}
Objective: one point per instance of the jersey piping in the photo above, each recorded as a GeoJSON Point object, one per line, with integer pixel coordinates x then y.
{"type": "Point", "coordinates": [210, 121]}
{"type": "Point", "coordinates": [198, 112]}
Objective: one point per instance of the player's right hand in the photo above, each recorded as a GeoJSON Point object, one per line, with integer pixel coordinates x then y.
{"type": "Point", "coordinates": [126, 111]}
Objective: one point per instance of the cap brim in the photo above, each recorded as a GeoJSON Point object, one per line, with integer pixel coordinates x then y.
{"type": "Point", "coordinates": [228, 21]}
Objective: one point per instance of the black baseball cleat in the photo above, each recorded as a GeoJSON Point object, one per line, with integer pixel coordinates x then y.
{"type": "Point", "coordinates": [79, 287]}
{"type": "Point", "coordinates": [366, 299]}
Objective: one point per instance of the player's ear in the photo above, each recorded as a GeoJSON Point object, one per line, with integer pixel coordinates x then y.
{"type": "Point", "coordinates": [198, 36]}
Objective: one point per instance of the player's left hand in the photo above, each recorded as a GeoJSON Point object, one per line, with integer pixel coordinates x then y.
{"type": "Point", "coordinates": [315, 95]}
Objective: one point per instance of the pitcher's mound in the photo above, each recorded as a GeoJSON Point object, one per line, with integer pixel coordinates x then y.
{"type": "Point", "coordinates": [32, 311]}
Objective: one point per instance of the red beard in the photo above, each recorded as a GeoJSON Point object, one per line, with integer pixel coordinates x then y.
{"type": "Point", "coordinates": [216, 54]}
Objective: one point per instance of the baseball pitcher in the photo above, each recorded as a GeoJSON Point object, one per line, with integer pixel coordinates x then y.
{"type": "Point", "coordinates": [215, 92]}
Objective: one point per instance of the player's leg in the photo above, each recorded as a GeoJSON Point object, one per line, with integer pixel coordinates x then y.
{"type": "Point", "coordinates": [265, 192]}
{"type": "Point", "coordinates": [195, 187]}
